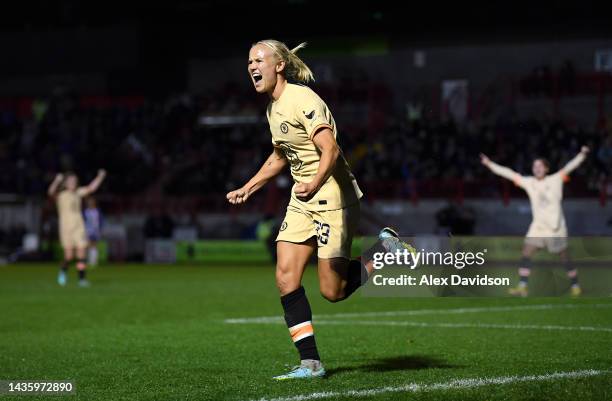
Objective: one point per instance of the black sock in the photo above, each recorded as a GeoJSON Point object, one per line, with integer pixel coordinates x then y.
{"type": "Point", "coordinates": [64, 266]}
{"type": "Point", "coordinates": [81, 266]}
{"type": "Point", "coordinates": [572, 273]}
{"type": "Point", "coordinates": [357, 276]}
{"type": "Point", "coordinates": [298, 317]}
{"type": "Point", "coordinates": [525, 270]}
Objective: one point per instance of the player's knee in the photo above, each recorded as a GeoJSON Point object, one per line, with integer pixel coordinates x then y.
{"type": "Point", "coordinates": [527, 253]}
{"type": "Point", "coordinates": [284, 278]}
{"type": "Point", "coordinates": [332, 294]}
{"type": "Point", "coordinates": [281, 281]}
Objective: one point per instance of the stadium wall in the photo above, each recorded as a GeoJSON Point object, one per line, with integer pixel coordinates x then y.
{"type": "Point", "coordinates": [124, 233]}
{"type": "Point", "coordinates": [585, 217]}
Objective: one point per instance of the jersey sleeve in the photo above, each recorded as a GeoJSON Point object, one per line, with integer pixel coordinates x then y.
{"type": "Point", "coordinates": [560, 177]}
{"type": "Point", "coordinates": [571, 166]}
{"type": "Point", "coordinates": [508, 173]}
{"type": "Point", "coordinates": [520, 181]}
{"type": "Point", "coordinates": [81, 192]}
{"type": "Point", "coordinates": [313, 114]}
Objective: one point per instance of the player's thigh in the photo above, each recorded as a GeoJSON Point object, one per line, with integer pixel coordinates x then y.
{"type": "Point", "coordinates": [557, 245]}
{"type": "Point", "coordinates": [530, 247]}
{"type": "Point", "coordinates": [333, 274]}
{"type": "Point", "coordinates": [79, 238]}
{"type": "Point", "coordinates": [564, 255]}
{"type": "Point", "coordinates": [68, 252]}
{"type": "Point", "coordinates": [291, 262]}
{"type": "Point", "coordinates": [295, 244]}
{"type": "Point", "coordinates": [81, 251]}
{"type": "Point", "coordinates": [335, 231]}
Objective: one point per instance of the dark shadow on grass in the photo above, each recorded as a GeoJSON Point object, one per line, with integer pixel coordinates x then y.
{"type": "Point", "coordinates": [408, 362]}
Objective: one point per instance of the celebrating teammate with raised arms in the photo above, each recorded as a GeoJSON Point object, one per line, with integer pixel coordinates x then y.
{"type": "Point", "coordinates": [68, 196]}
{"type": "Point", "coordinates": [548, 227]}
{"type": "Point", "coordinates": [323, 213]}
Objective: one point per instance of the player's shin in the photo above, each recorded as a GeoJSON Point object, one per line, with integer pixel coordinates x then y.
{"type": "Point", "coordinates": [82, 268]}
{"type": "Point", "coordinates": [298, 317]}
{"type": "Point", "coordinates": [356, 277]}
{"type": "Point", "coordinates": [524, 271]}
{"type": "Point", "coordinates": [572, 275]}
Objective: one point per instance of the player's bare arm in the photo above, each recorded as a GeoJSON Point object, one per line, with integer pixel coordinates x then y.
{"type": "Point", "coordinates": [327, 145]}
{"type": "Point", "coordinates": [484, 159]}
{"type": "Point", "coordinates": [94, 184]}
{"type": "Point", "coordinates": [495, 168]}
{"type": "Point", "coordinates": [576, 161]}
{"type": "Point", "coordinates": [52, 191]}
{"type": "Point", "coordinates": [273, 166]}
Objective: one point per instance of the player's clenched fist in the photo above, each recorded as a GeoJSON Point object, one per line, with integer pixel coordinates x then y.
{"type": "Point", "coordinates": [238, 196]}
{"type": "Point", "coordinates": [305, 190]}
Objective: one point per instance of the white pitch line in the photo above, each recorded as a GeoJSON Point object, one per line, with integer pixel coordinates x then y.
{"type": "Point", "coordinates": [464, 325]}
{"type": "Point", "coordinates": [456, 384]}
{"type": "Point", "coordinates": [419, 312]}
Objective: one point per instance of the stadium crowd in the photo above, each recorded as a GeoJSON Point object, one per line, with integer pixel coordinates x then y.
{"type": "Point", "coordinates": [161, 144]}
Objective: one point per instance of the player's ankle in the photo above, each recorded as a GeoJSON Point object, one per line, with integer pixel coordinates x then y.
{"type": "Point", "coordinates": [312, 364]}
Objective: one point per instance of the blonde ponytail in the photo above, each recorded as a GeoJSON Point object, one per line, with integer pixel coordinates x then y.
{"type": "Point", "coordinates": [295, 68]}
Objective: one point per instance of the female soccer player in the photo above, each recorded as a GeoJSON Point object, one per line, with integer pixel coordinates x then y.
{"type": "Point", "coordinates": [548, 227]}
{"type": "Point", "coordinates": [323, 212]}
{"type": "Point", "coordinates": [68, 196]}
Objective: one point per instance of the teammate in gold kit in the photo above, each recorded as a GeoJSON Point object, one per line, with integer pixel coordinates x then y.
{"type": "Point", "coordinates": [68, 196]}
{"type": "Point", "coordinates": [547, 229]}
{"type": "Point", "coordinates": [323, 213]}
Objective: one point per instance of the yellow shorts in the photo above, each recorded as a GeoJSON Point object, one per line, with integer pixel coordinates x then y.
{"type": "Point", "coordinates": [73, 237]}
{"type": "Point", "coordinates": [334, 229]}
{"type": "Point", "coordinates": [553, 244]}
{"type": "Point", "coordinates": [542, 237]}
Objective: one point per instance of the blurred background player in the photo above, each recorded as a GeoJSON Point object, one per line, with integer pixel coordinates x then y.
{"type": "Point", "coordinates": [323, 213]}
{"type": "Point", "coordinates": [93, 226]}
{"type": "Point", "coordinates": [68, 196]}
{"type": "Point", "coordinates": [548, 228]}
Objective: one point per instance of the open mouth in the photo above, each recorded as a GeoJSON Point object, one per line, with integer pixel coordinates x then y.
{"type": "Point", "coordinates": [257, 77]}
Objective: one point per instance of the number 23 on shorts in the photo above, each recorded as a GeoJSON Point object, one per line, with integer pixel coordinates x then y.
{"type": "Point", "coordinates": [322, 232]}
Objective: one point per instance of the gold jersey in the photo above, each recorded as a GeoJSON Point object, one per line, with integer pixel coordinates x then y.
{"type": "Point", "coordinates": [294, 118]}
{"type": "Point", "coordinates": [545, 196]}
{"type": "Point", "coordinates": [69, 209]}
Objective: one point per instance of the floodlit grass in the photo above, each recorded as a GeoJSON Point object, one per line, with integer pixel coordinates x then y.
{"type": "Point", "coordinates": [159, 333]}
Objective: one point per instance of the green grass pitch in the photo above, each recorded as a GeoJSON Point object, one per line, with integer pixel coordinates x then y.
{"type": "Point", "coordinates": [160, 333]}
